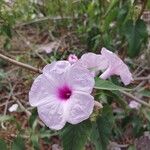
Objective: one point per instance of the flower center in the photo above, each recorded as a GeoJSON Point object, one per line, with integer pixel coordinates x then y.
{"type": "Point", "coordinates": [64, 92]}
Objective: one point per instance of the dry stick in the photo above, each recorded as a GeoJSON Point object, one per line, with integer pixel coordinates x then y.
{"type": "Point", "coordinates": [135, 98]}
{"type": "Point", "coordinates": [55, 18]}
{"type": "Point", "coordinates": [142, 78]}
{"type": "Point", "coordinates": [140, 85]}
{"type": "Point", "coordinates": [20, 64]}
{"type": "Point", "coordinates": [97, 104]}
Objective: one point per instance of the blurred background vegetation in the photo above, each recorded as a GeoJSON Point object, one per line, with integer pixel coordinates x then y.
{"type": "Point", "coordinates": [38, 32]}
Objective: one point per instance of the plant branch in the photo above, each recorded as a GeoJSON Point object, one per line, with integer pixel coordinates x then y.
{"type": "Point", "coordinates": [20, 64]}
{"type": "Point", "coordinates": [55, 18]}
{"type": "Point", "coordinates": [142, 78]}
{"type": "Point", "coordinates": [135, 98]}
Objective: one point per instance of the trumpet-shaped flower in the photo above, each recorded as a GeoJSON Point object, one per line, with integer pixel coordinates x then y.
{"type": "Point", "coordinates": [107, 61]}
{"type": "Point", "coordinates": [115, 66]}
{"type": "Point", "coordinates": [62, 94]}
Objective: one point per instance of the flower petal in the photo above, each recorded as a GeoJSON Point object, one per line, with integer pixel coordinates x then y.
{"type": "Point", "coordinates": [55, 71]}
{"type": "Point", "coordinates": [81, 106]}
{"type": "Point", "coordinates": [80, 79]}
{"type": "Point", "coordinates": [93, 61]}
{"type": "Point", "coordinates": [116, 67]}
{"type": "Point", "coordinates": [52, 114]}
{"type": "Point", "coordinates": [41, 91]}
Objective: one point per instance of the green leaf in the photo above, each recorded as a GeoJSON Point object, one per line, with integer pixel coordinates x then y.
{"type": "Point", "coordinates": [7, 44]}
{"type": "Point", "coordinates": [132, 147]}
{"type": "Point", "coordinates": [32, 118]}
{"type": "Point", "coordinates": [119, 99]}
{"type": "Point", "coordinates": [148, 5]}
{"type": "Point", "coordinates": [135, 34]}
{"type": "Point", "coordinates": [107, 85]}
{"type": "Point", "coordinates": [122, 14]}
{"type": "Point", "coordinates": [74, 137]}
{"type": "Point", "coordinates": [2, 74]}
{"type": "Point", "coordinates": [112, 4]}
{"type": "Point", "coordinates": [45, 133]}
{"type": "Point", "coordinates": [6, 30]}
{"type": "Point", "coordinates": [109, 19]}
{"type": "Point", "coordinates": [146, 112]}
{"type": "Point", "coordinates": [145, 93]}
{"type": "Point", "coordinates": [3, 145]}
{"type": "Point", "coordinates": [102, 129]}
{"type": "Point", "coordinates": [92, 33]}
{"type": "Point", "coordinates": [18, 144]}
{"type": "Point", "coordinates": [35, 141]}
{"type": "Point", "coordinates": [4, 118]}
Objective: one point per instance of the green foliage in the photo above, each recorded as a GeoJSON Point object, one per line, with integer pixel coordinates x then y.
{"type": "Point", "coordinates": [145, 93]}
{"type": "Point", "coordinates": [132, 147]}
{"type": "Point", "coordinates": [136, 34]}
{"type": "Point", "coordinates": [93, 23]}
{"type": "Point", "coordinates": [3, 145]}
{"type": "Point", "coordinates": [6, 30]}
{"type": "Point", "coordinates": [92, 37]}
{"type": "Point", "coordinates": [107, 85]}
{"type": "Point", "coordinates": [74, 137]}
{"type": "Point", "coordinates": [2, 74]}
{"type": "Point", "coordinates": [4, 118]}
{"type": "Point", "coordinates": [146, 112]}
{"type": "Point", "coordinates": [35, 141]}
{"type": "Point", "coordinates": [118, 99]}
{"type": "Point", "coordinates": [18, 144]}
{"type": "Point", "coordinates": [32, 119]}
{"type": "Point", "coordinates": [101, 131]}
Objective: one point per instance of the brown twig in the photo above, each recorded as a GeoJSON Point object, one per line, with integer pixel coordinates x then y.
{"type": "Point", "coordinates": [20, 64]}
{"type": "Point", "coordinates": [142, 78]}
{"type": "Point", "coordinates": [135, 98]}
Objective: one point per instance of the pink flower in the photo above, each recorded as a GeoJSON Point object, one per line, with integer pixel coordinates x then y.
{"type": "Point", "coordinates": [72, 58]}
{"type": "Point", "coordinates": [107, 61]}
{"type": "Point", "coordinates": [93, 62]}
{"type": "Point", "coordinates": [115, 66]}
{"type": "Point", "coordinates": [134, 105]}
{"type": "Point", "coordinates": [62, 94]}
